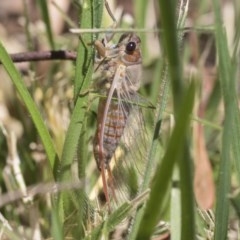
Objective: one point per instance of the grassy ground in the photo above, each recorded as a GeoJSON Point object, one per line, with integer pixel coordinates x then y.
{"type": "Point", "coordinates": [190, 179]}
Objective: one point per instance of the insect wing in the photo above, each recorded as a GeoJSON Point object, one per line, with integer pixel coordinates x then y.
{"type": "Point", "coordinates": [129, 159]}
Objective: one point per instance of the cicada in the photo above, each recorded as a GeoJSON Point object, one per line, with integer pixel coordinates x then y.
{"type": "Point", "coordinates": [119, 119]}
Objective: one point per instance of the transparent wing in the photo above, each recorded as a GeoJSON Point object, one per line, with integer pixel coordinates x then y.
{"type": "Point", "coordinates": [130, 157]}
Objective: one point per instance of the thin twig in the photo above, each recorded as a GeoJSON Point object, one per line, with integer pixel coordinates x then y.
{"type": "Point", "coordinates": [43, 56]}
{"type": "Point", "coordinates": [204, 29]}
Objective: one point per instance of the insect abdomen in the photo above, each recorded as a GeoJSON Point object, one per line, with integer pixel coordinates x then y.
{"type": "Point", "coordinates": [113, 131]}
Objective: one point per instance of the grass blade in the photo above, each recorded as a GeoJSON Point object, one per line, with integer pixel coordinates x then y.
{"type": "Point", "coordinates": [175, 210]}
{"type": "Point", "coordinates": [45, 15]}
{"type": "Point", "coordinates": [76, 131]}
{"type": "Point", "coordinates": [172, 41]}
{"type": "Point", "coordinates": [82, 81]}
{"type": "Point", "coordinates": [56, 227]}
{"type": "Point", "coordinates": [231, 131]}
{"type": "Point", "coordinates": [222, 205]}
{"type": "Point", "coordinates": [163, 173]}
{"type": "Point", "coordinates": [32, 109]}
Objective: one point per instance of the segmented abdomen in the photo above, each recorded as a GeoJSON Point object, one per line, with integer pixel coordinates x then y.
{"type": "Point", "coordinates": [113, 130]}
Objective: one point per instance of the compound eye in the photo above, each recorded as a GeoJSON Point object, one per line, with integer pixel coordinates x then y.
{"type": "Point", "coordinates": [131, 46]}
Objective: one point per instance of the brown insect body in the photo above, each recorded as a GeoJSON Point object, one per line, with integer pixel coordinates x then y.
{"type": "Point", "coordinates": [114, 127]}
{"type": "Point", "coordinates": [119, 73]}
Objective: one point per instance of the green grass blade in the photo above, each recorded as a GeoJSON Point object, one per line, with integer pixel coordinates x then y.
{"type": "Point", "coordinates": [160, 106]}
{"type": "Point", "coordinates": [71, 144]}
{"type": "Point", "coordinates": [82, 81]}
{"type": "Point", "coordinates": [231, 131]}
{"type": "Point", "coordinates": [91, 17]}
{"type": "Point", "coordinates": [45, 15]}
{"type": "Point", "coordinates": [98, 13]}
{"type": "Point", "coordinates": [222, 205]}
{"type": "Point", "coordinates": [32, 109]}
{"type": "Point", "coordinates": [172, 43]}
{"type": "Point", "coordinates": [164, 171]}
{"type": "Point", "coordinates": [175, 210]}
{"type": "Point", "coordinates": [187, 197]}
{"type": "Point", "coordinates": [76, 131]}
{"type": "Point", "coordinates": [56, 227]}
